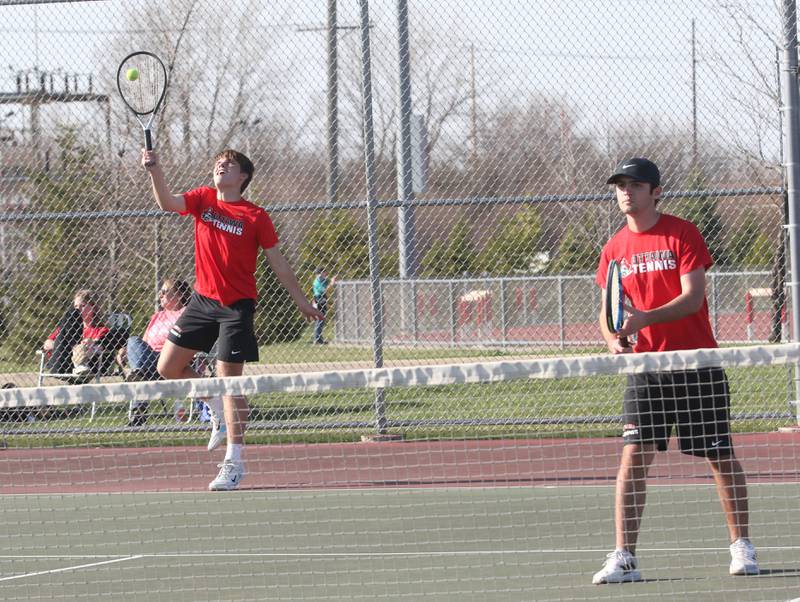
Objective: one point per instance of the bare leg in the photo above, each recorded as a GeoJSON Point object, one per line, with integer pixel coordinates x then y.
{"type": "Point", "coordinates": [175, 362]}
{"type": "Point", "coordinates": [631, 493]}
{"type": "Point", "coordinates": [237, 412]}
{"type": "Point", "coordinates": [732, 491]}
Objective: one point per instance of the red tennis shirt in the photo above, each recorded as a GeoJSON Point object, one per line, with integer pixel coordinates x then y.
{"type": "Point", "coordinates": [227, 238]}
{"type": "Point", "coordinates": [652, 264]}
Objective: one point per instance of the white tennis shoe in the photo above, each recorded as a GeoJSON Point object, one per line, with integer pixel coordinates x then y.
{"type": "Point", "coordinates": [218, 430]}
{"type": "Point", "coordinates": [743, 558]}
{"type": "Point", "coordinates": [230, 475]}
{"type": "Point", "coordinates": [620, 567]}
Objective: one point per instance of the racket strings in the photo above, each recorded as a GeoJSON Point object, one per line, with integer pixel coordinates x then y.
{"type": "Point", "coordinates": [614, 297]}
{"type": "Point", "coordinates": [144, 93]}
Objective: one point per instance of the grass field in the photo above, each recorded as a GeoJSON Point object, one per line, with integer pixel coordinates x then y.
{"type": "Point", "coordinates": [566, 407]}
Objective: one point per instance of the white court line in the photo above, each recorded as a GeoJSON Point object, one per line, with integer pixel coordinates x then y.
{"type": "Point", "coordinates": [376, 489]}
{"type": "Point", "coordinates": [68, 568]}
{"type": "Point", "coordinates": [376, 554]}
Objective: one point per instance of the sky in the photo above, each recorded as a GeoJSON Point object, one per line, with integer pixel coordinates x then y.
{"type": "Point", "coordinates": [612, 66]}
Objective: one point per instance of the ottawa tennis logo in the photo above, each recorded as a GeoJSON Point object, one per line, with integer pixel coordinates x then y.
{"type": "Point", "coordinates": [222, 222]}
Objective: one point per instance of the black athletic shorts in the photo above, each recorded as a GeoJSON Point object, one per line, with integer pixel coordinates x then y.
{"type": "Point", "coordinates": [206, 321]}
{"type": "Point", "coordinates": [697, 402]}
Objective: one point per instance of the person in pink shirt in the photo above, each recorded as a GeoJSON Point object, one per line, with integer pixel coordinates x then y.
{"type": "Point", "coordinates": [141, 353]}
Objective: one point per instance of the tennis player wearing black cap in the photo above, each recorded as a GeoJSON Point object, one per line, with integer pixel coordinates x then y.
{"type": "Point", "coordinates": [664, 261]}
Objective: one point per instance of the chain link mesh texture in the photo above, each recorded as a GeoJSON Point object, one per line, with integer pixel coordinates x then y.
{"type": "Point", "coordinates": [453, 185]}
{"type": "Point", "coordinates": [515, 117]}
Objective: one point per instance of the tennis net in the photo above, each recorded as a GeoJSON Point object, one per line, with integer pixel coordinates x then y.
{"type": "Point", "coordinates": [502, 484]}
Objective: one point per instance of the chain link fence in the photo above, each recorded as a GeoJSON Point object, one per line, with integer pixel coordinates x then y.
{"type": "Point", "coordinates": [489, 131]}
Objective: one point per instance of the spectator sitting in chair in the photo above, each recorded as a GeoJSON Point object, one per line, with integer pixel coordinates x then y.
{"type": "Point", "coordinates": [141, 353]}
{"type": "Point", "coordinates": [74, 346]}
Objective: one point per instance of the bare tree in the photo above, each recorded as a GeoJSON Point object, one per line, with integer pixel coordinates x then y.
{"type": "Point", "coordinates": [745, 69]}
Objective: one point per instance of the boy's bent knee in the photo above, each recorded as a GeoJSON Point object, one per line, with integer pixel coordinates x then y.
{"type": "Point", "coordinates": [169, 372]}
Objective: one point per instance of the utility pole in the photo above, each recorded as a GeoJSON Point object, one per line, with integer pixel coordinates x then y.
{"type": "Point", "coordinates": [333, 106]}
{"type": "Point", "coordinates": [694, 97]}
{"type": "Point", "coordinates": [332, 28]}
{"type": "Point", "coordinates": [406, 222]}
{"type": "Point", "coordinates": [473, 112]}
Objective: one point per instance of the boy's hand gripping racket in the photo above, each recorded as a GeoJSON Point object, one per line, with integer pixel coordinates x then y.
{"type": "Point", "coordinates": [615, 299]}
{"type": "Point", "coordinates": [142, 84]}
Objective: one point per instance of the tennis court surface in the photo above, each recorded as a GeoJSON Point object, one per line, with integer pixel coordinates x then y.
{"type": "Point", "coordinates": [502, 489]}
{"type": "Point", "coordinates": [439, 520]}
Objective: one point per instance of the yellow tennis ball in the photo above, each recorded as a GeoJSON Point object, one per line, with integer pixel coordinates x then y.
{"type": "Point", "coordinates": [132, 74]}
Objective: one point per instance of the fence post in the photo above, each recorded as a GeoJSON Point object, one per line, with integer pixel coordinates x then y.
{"type": "Point", "coordinates": [451, 308]}
{"type": "Point", "coordinates": [714, 303]}
{"type": "Point", "coordinates": [503, 317]}
{"type": "Point", "coordinates": [562, 320]}
{"type": "Point", "coordinates": [372, 216]}
{"type": "Point", "coordinates": [791, 162]}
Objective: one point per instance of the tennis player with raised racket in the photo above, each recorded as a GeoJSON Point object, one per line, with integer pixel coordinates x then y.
{"type": "Point", "coordinates": [663, 261]}
{"type": "Point", "coordinates": [228, 233]}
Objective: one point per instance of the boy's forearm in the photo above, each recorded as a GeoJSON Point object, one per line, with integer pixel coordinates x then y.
{"type": "Point", "coordinates": [289, 281]}
{"type": "Point", "coordinates": [285, 275]}
{"type": "Point", "coordinates": [161, 190]}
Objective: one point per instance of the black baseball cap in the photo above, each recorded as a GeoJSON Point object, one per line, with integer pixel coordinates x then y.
{"type": "Point", "coordinates": [638, 169]}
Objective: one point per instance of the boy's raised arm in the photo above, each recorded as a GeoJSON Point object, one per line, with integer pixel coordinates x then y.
{"type": "Point", "coordinates": [165, 199]}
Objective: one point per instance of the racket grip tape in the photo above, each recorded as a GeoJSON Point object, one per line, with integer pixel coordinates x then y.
{"type": "Point", "coordinates": [624, 341]}
{"type": "Point", "coordinates": [148, 140]}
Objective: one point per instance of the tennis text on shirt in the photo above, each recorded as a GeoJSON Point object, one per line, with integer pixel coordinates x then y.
{"type": "Point", "coordinates": [227, 238]}
{"type": "Point", "coordinates": [651, 266]}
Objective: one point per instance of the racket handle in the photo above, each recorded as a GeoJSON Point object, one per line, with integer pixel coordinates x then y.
{"type": "Point", "coordinates": [624, 341]}
{"type": "Point", "coordinates": [148, 140]}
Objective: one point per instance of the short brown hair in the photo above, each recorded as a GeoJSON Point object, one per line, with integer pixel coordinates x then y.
{"type": "Point", "coordinates": [245, 164]}
{"type": "Point", "coordinates": [92, 298]}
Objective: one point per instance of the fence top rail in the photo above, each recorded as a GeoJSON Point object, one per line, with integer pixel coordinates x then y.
{"type": "Point", "coordinates": [21, 216]}
{"type": "Point", "coordinates": [538, 278]}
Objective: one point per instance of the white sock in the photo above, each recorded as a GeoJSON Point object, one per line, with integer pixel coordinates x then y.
{"type": "Point", "coordinates": [234, 452]}
{"type": "Point", "coordinates": [215, 406]}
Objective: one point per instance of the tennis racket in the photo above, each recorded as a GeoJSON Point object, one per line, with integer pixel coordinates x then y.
{"type": "Point", "coordinates": [142, 84]}
{"type": "Point", "coordinates": [615, 299]}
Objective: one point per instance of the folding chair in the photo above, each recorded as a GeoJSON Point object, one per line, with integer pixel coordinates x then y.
{"type": "Point", "coordinates": [119, 325]}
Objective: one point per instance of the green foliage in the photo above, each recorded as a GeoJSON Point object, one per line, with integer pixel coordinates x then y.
{"type": "Point", "coordinates": [452, 256]}
{"type": "Point", "coordinates": [702, 212]}
{"type": "Point", "coordinates": [577, 252]}
{"type": "Point", "coordinates": [277, 318]}
{"type": "Point", "coordinates": [44, 287]}
{"type": "Point", "coordinates": [339, 242]}
{"type": "Point", "coordinates": [748, 246]}
{"type": "Point", "coordinates": [761, 253]}
{"type": "Point", "coordinates": [511, 249]}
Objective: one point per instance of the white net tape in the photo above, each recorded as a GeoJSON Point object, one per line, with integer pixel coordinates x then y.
{"type": "Point", "coordinates": [406, 376]}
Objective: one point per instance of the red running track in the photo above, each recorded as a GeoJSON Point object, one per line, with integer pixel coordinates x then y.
{"type": "Point", "coordinates": [766, 457]}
